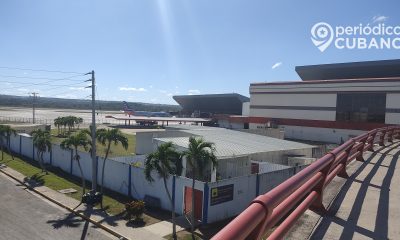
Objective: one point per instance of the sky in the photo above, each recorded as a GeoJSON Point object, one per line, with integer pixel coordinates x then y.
{"type": "Point", "coordinates": [150, 50]}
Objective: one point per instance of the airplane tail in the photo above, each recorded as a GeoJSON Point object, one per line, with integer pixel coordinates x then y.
{"type": "Point", "coordinates": [127, 110]}
{"type": "Point", "coordinates": [125, 106]}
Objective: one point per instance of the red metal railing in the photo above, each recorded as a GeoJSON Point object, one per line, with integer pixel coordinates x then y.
{"type": "Point", "coordinates": [302, 191]}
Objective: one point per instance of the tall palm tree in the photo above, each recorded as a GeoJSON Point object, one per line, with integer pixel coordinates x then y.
{"type": "Point", "coordinates": [42, 142]}
{"type": "Point", "coordinates": [5, 134]}
{"type": "Point", "coordinates": [200, 154]}
{"type": "Point", "coordinates": [165, 161]}
{"type": "Point", "coordinates": [106, 137]}
{"type": "Point", "coordinates": [73, 142]}
{"type": "Point", "coordinates": [58, 123]}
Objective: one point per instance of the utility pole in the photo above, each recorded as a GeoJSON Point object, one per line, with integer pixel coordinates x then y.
{"type": "Point", "coordinates": [94, 160]}
{"type": "Point", "coordinates": [34, 96]}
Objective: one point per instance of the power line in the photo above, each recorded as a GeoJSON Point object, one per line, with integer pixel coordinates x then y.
{"type": "Point", "coordinates": [43, 78]}
{"type": "Point", "coordinates": [38, 84]}
{"type": "Point", "coordinates": [44, 84]}
{"type": "Point", "coordinates": [40, 70]}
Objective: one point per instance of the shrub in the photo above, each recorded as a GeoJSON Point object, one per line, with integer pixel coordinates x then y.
{"type": "Point", "coordinates": [134, 209]}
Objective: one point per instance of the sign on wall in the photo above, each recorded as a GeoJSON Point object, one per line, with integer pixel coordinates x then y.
{"type": "Point", "coordinates": [221, 194]}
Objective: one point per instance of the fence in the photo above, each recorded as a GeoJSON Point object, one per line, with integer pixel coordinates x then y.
{"type": "Point", "coordinates": [99, 120]}
{"type": "Point", "coordinates": [125, 176]}
{"type": "Point", "coordinates": [302, 191]}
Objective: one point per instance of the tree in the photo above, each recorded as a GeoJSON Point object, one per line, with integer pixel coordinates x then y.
{"type": "Point", "coordinates": [73, 142]}
{"type": "Point", "coordinates": [106, 137]}
{"type": "Point", "coordinates": [199, 155]}
{"type": "Point", "coordinates": [165, 161]}
{"type": "Point", "coordinates": [5, 134]}
{"type": "Point", "coordinates": [42, 142]}
{"type": "Point", "coordinates": [58, 124]}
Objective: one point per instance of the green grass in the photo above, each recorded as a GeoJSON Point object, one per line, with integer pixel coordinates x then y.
{"type": "Point", "coordinates": [57, 179]}
{"type": "Point", "coordinates": [115, 151]}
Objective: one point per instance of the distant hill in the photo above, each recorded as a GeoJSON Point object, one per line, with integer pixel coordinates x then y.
{"type": "Point", "coordinates": [43, 102]}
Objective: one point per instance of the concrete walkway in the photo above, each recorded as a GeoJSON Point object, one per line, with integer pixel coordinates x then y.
{"type": "Point", "coordinates": [154, 231]}
{"type": "Point", "coordinates": [365, 206]}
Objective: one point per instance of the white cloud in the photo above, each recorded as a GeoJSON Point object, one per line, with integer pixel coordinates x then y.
{"type": "Point", "coordinates": [379, 18]}
{"type": "Point", "coordinates": [193, 91]}
{"type": "Point", "coordinates": [169, 94]}
{"type": "Point", "coordinates": [23, 90]}
{"type": "Point", "coordinates": [132, 89]}
{"type": "Point", "coordinates": [278, 64]}
{"type": "Point", "coordinates": [163, 91]}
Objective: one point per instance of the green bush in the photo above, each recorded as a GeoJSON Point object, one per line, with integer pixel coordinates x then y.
{"type": "Point", "coordinates": [135, 209]}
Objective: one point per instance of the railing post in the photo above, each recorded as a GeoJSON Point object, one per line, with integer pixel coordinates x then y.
{"type": "Point", "coordinates": [382, 138]}
{"type": "Point", "coordinates": [317, 206]}
{"type": "Point", "coordinates": [343, 173]}
{"type": "Point", "coordinates": [371, 142]}
{"type": "Point", "coordinates": [397, 133]}
{"type": "Point", "coordinates": [361, 150]}
{"type": "Point", "coordinates": [390, 134]}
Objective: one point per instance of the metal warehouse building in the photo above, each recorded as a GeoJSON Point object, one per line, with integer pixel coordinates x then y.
{"type": "Point", "coordinates": [238, 153]}
{"type": "Point", "coordinates": [332, 102]}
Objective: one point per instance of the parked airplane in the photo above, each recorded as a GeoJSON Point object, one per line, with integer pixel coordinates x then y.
{"type": "Point", "coordinates": [130, 112]}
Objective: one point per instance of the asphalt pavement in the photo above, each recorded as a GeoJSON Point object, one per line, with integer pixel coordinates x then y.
{"type": "Point", "coordinates": [24, 215]}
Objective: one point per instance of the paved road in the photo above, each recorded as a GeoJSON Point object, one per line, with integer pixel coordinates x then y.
{"type": "Point", "coordinates": [24, 215]}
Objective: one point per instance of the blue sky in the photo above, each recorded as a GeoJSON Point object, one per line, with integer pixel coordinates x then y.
{"type": "Point", "coordinates": [149, 50]}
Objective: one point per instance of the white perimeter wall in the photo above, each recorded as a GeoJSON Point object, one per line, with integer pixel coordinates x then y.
{"type": "Point", "coordinates": [118, 178]}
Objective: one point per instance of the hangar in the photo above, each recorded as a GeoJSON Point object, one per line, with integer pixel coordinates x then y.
{"type": "Point", "coordinates": [209, 104]}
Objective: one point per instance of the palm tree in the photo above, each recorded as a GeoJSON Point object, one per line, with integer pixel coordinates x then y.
{"type": "Point", "coordinates": [106, 137]}
{"type": "Point", "coordinates": [73, 142]}
{"type": "Point", "coordinates": [165, 161]}
{"type": "Point", "coordinates": [42, 142]}
{"type": "Point", "coordinates": [58, 123]}
{"type": "Point", "coordinates": [5, 134]}
{"type": "Point", "coordinates": [199, 155]}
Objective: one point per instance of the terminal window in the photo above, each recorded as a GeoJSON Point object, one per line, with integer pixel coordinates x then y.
{"type": "Point", "coordinates": [361, 107]}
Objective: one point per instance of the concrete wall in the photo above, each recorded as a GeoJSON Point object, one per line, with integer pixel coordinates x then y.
{"type": "Point", "coordinates": [269, 132]}
{"type": "Point", "coordinates": [293, 100]}
{"type": "Point", "coordinates": [246, 109]}
{"type": "Point", "coordinates": [392, 101]}
{"type": "Point", "coordinates": [244, 191]}
{"type": "Point", "coordinates": [266, 167]}
{"type": "Point", "coordinates": [230, 125]}
{"type": "Point", "coordinates": [328, 135]}
{"type": "Point", "coordinates": [272, 179]}
{"type": "Point", "coordinates": [280, 157]}
{"type": "Point", "coordinates": [233, 167]}
{"type": "Point", "coordinates": [61, 158]}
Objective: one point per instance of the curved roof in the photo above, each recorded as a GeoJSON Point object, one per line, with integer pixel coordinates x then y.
{"type": "Point", "coordinates": [230, 103]}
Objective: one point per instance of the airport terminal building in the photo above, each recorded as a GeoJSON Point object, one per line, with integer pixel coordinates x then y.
{"type": "Point", "coordinates": [332, 102]}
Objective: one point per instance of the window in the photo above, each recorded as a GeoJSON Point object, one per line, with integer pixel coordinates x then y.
{"type": "Point", "coordinates": [361, 107]}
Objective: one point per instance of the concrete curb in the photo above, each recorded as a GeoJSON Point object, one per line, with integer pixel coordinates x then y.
{"type": "Point", "coordinates": [97, 224]}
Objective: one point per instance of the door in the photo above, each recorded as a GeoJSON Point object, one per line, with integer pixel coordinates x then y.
{"type": "Point", "coordinates": [198, 203]}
